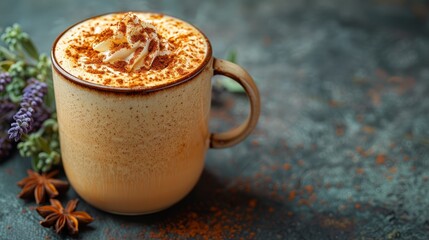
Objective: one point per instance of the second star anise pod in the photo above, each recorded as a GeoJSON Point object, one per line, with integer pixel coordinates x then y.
{"type": "Point", "coordinates": [40, 185]}
{"type": "Point", "coordinates": [63, 218]}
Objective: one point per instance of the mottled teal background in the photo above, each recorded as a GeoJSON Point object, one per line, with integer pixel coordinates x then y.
{"type": "Point", "coordinates": [342, 147]}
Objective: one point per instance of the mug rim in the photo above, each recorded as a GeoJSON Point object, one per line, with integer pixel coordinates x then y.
{"type": "Point", "coordinates": [189, 76]}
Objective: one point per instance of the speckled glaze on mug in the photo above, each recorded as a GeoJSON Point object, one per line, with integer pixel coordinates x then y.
{"type": "Point", "coordinates": [133, 151]}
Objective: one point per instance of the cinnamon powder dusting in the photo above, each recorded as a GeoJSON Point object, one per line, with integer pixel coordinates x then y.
{"type": "Point", "coordinates": [122, 27]}
{"type": "Point", "coordinates": [96, 71]}
{"type": "Point", "coordinates": [181, 71]}
{"type": "Point", "coordinates": [162, 62]}
{"type": "Point", "coordinates": [107, 81]}
{"type": "Point", "coordinates": [118, 65]}
{"type": "Point", "coordinates": [136, 38]}
{"type": "Point", "coordinates": [105, 34]}
{"type": "Point", "coordinates": [118, 47]}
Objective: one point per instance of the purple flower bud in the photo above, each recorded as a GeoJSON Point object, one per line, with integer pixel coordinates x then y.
{"type": "Point", "coordinates": [32, 110]}
{"type": "Point", "coordinates": [5, 79]}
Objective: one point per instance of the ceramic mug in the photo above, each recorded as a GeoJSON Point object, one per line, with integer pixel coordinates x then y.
{"type": "Point", "coordinates": [133, 151]}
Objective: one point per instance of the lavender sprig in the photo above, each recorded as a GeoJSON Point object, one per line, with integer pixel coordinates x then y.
{"type": "Point", "coordinates": [31, 103]}
{"type": "Point", "coordinates": [5, 79]}
{"type": "Point", "coordinates": [27, 108]}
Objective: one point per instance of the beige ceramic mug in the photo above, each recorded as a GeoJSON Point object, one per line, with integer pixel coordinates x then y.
{"type": "Point", "coordinates": [133, 151]}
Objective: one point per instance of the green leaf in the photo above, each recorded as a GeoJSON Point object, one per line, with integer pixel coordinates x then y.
{"type": "Point", "coordinates": [29, 47]}
{"type": "Point", "coordinates": [14, 89]}
{"type": "Point", "coordinates": [44, 144]}
{"type": "Point", "coordinates": [232, 56]}
{"type": "Point", "coordinates": [30, 71]}
{"type": "Point", "coordinates": [231, 86]}
{"type": "Point", "coordinates": [34, 163]}
{"type": "Point", "coordinates": [7, 54]}
{"type": "Point", "coordinates": [18, 69]}
{"type": "Point", "coordinates": [43, 67]}
{"type": "Point", "coordinates": [5, 65]}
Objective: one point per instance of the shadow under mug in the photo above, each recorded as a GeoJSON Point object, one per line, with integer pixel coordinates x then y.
{"type": "Point", "coordinates": [135, 151]}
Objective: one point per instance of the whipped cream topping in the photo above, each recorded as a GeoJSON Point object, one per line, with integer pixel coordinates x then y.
{"type": "Point", "coordinates": [133, 42]}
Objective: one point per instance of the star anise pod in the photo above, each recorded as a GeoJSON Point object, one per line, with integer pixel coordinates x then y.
{"type": "Point", "coordinates": [58, 217]}
{"type": "Point", "coordinates": [38, 185]}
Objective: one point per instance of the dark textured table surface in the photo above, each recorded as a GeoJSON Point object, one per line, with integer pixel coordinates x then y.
{"type": "Point", "coordinates": [342, 147]}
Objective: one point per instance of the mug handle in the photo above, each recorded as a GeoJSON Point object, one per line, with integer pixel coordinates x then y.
{"type": "Point", "coordinates": [238, 134]}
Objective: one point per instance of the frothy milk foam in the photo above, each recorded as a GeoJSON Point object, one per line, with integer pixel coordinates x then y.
{"type": "Point", "coordinates": [83, 51]}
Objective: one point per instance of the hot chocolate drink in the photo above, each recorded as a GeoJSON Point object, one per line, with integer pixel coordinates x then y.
{"type": "Point", "coordinates": [132, 50]}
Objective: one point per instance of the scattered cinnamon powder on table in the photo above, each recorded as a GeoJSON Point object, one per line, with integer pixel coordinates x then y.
{"type": "Point", "coordinates": [287, 166]}
{"type": "Point", "coordinates": [380, 159]}
{"type": "Point", "coordinates": [217, 223]}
